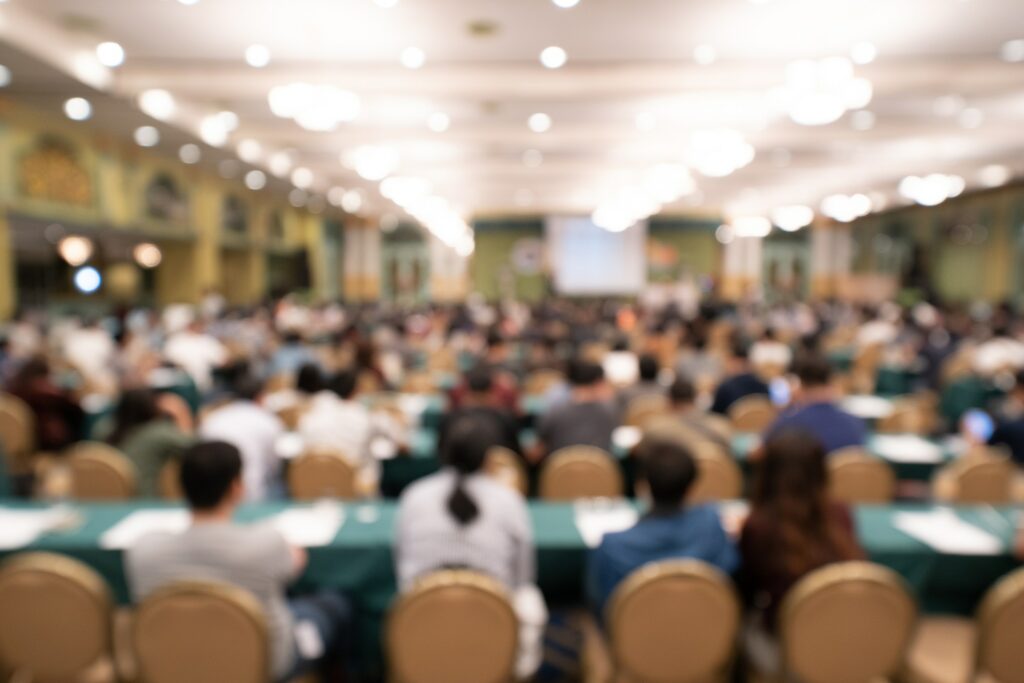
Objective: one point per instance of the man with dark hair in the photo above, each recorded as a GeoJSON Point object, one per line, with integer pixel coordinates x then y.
{"type": "Point", "coordinates": [253, 557]}
{"type": "Point", "coordinates": [742, 381]}
{"type": "Point", "coordinates": [647, 385]}
{"type": "Point", "coordinates": [479, 405]}
{"type": "Point", "coordinates": [814, 408]}
{"type": "Point", "coordinates": [588, 419]}
{"type": "Point", "coordinates": [671, 529]}
{"type": "Point", "coordinates": [687, 422]}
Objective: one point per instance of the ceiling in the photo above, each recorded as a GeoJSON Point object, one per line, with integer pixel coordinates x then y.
{"type": "Point", "coordinates": [631, 96]}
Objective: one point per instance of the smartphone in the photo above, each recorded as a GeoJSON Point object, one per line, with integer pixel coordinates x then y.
{"type": "Point", "coordinates": [780, 392]}
{"type": "Point", "coordinates": [979, 424]}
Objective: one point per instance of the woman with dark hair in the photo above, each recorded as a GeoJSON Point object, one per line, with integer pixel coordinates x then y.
{"type": "Point", "coordinates": [58, 416]}
{"type": "Point", "coordinates": [460, 518]}
{"type": "Point", "coordinates": [147, 436]}
{"type": "Point", "coordinates": [793, 527]}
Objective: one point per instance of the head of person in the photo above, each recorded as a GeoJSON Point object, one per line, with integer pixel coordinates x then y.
{"type": "Point", "coordinates": [292, 338]}
{"type": "Point", "coordinates": [343, 384]}
{"type": "Point", "coordinates": [682, 394]}
{"type": "Point", "coordinates": [1018, 387]}
{"type": "Point", "coordinates": [586, 379]}
{"type": "Point", "coordinates": [211, 476]}
{"type": "Point", "coordinates": [34, 369]}
{"type": "Point", "coordinates": [480, 381]}
{"type": "Point", "coordinates": [740, 355]}
{"type": "Point", "coordinates": [246, 387]}
{"type": "Point", "coordinates": [136, 408]}
{"type": "Point", "coordinates": [309, 379]}
{"type": "Point", "coordinates": [666, 470]}
{"type": "Point", "coordinates": [466, 452]}
{"type": "Point", "coordinates": [497, 349]}
{"type": "Point", "coordinates": [815, 376]}
{"type": "Point", "coordinates": [649, 368]}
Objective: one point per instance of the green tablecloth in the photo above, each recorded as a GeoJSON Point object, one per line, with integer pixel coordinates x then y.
{"type": "Point", "coordinates": [185, 388]}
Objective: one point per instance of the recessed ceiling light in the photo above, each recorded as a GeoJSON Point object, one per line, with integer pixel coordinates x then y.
{"type": "Point", "coordinates": [249, 150]}
{"type": "Point", "coordinates": [110, 54]}
{"type": "Point", "coordinates": [413, 58]}
{"type": "Point", "coordinates": [158, 103]}
{"type": "Point", "coordinates": [539, 122]}
{"type": "Point", "coordinates": [255, 180]}
{"type": "Point", "coordinates": [352, 201]}
{"type": "Point", "coordinates": [78, 109]}
{"type": "Point", "coordinates": [704, 55]}
{"type": "Point", "coordinates": [553, 57]}
{"type": "Point", "coordinates": [147, 136]}
{"type": "Point", "coordinates": [1013, 51]}
{"type": "Point", "coordinates": [280, 163]}
{"type": "Point", "coordinates": [863, 53]}
{"type": "Point", "coordinates": [257, 56]}
{"type": "Point", "coordinates": [297, 198]}
{"type": "Point", "coordinates": [5, 76]}
{"type": "Point", "coordinates": [995, 175]}
{"type": "Point", "coordinates": [439, 122]}
{"type": "Point", "coordinates": [302, 177]}
{"type": "Point", "coordinates": [190, 154]}
{"type": "Point", "coordinates": [566, 4]}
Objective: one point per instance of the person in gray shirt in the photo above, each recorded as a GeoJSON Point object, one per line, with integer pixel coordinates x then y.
{"type": "Point", "coordinates": [254, 557]}
{"type": "Point", "coordinates": [588, 419]}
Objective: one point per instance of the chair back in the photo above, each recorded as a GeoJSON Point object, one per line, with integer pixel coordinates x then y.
{"type": "Point", "coordinates": [17, 430]}
{"type": "Point", "coordinates": [718, 475]}
{"type": "Point", "coordinates": [846, 623]}
{"type": "Point", "coordinates": [321, 474]}
{"type": "Point", "coordinates": [201, 632]}
{"type": "Point", "coordinates": [752, 414]}
{"type": "Point", "coordinates": [580, 472]}
{"type": "Point", "coordinates": [982, 477]}
{"type": "Point", "coordinates": [100, 472]}
{"type": "Point", "coordinates": [1000, 622]}
{"type": "Point", "coordinates": [540, 382]}
{"type": "Point", "coordinates": [56, 617]}
{"type": "Point", "coordinates": [169, 483]}
{"type": "Point", "coordinates": [506, 466]}
{"type": "Point", "coordinates": [673, 622]}
{"type": "Point", "coordinates": [909, 416]}
{"type": "Point", "coordinates": [419, 383]}
{"type": "Point", "coordinates": [455, 627]}
{"type": "Point", "coordinates": [643, 409]}
{"type": "Point", "coordinates": [855, 476]}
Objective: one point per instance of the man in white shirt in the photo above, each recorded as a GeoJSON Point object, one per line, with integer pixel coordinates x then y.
{"type": "Point", "coordinates": [90, 349]}
{"type": "Point", "coordinates": [254, 431]}
{"type": "Point", "coordinates": [197, 353]}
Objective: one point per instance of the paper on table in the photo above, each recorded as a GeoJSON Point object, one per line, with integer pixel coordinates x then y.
{"type": "Point", "coordinates": [627, 437]}
{"type": "Point", "coordinates": [595, 520]}
{"type": "Point", "coordinates": [18, 528]}
{"type": "Point", "coordinates": [907, 448]}
{"type": "Point", "coordinates": [129, 530]}
{"type": "Point", "coordinates": [867, 407]}
{"type": "Point", "coordinates": [310, 527]}
{"type": "Point", "coordinates": [943, 531]}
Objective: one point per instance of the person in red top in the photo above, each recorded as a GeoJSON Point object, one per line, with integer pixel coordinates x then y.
{"type": "Point", "coordinates": [58, 416]}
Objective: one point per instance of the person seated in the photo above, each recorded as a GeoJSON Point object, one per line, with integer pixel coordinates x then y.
{"type": "Point", "coordinates": [461, 518]}
{"type": "Point", "coordinates": [793, 528]}
{"type": "Point", "coordinates": [622, 366]}
{"type": "Point", "coordinates": [254, 557]}
{"type": "Point", "coordinates": [148, 436]}
{"type": "Point", "coordinates": [59, 418]}
{"type": "Point", "coordinates": [670, 529]}
{"type": "Point", "coordinates": [254, 431]}
{"type": "Point", "coordinates": [769, 353]}
{"type": "Point", "coordinates": [740, 383]}
{"type": "Point", "coordinates": [588, 419]}
{"type": "Point", "coordinates": [505, 383]}
{"type": "Point", "coordinates": [292, 355]}
{"type": "Point", "coordinates": [688, 421]}
{"type": "Point", "coordinates": [1009, 424]}
{"type": "Point", "coordinates": [198, 353]}
{"type": "Point", "coordinates": [479, 405]}
{"type": "Point", "coordinates": [815, 410]}
{"type": "Point", "coordinates": [646, 385]}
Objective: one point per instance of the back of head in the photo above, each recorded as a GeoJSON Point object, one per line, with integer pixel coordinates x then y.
{"type": "Point", "coordinates": [682, 392]}
{"type": "Point", "coordinates": [480, 379]}
{"type": "Point", "coordinates": [310, 379]}
{"type": "Point", "coordinates": [247, 387]}
{"type": "Point", "coordinates": [669, 469]}
{"type": "Point", "coordinates": [136, 408]}
{"type": "Point", "coordinates": [793, 467]}
{"type": "Point", "coordinates": [208, 471]}
{"type": "Point", "coordinates": [466, 451]}
{"type": "Point", "coordinates": [649, 368]}
{"type": "Point", "coordinates": [344, 384]}
{"type": "Point", "coordinates": [813, 370]}
{"type": "Point", "coordinates": [584, 373]}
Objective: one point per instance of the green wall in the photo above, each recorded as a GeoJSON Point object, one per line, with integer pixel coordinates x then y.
{"type": "Point", "coordinates": [492, 265]}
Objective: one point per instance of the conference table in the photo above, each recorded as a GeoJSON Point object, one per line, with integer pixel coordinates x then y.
{"type": "Point", "coordinates": [359, 561]}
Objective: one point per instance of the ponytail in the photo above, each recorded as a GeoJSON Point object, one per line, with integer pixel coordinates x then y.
{"type": "Point", "coordinates": [463, 508]}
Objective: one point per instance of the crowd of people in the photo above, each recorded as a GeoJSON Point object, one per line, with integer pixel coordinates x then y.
{"type": "Point", "coordinates": [260, 374]}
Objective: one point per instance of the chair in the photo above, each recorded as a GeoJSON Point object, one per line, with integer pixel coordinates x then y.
{"type": "Point", "coordinates": [100, 472]}
{"type": "Point", "coordinates": [673, 622]}
{"type": "Point", "coordinates": [452, 627]}
{"type": "Point", "coordinates": [909, 416]}
{"type": "Point", "coordinates": [506, 466]}
{"type": "Point", "coordinates": [419, 383]}
{"type": "Point", "coordinates": [55, 624]}
{"type": "Point", "coordinates": [169, 483]}
{"type": "Point", "coordinates": [17, 431]}
{"type": "Point", "coordinates": [979, 477]}
{"type": "Point", "coordinates": [856, 476]}
{"type": "Point", "coordinates": [864, 372]}
{"type": "Point", "coordinates": [718, 475]}
{"type": "Point", "coordinates": [846, 623]}
{"type": "Point", "coordinates": [580, 472]}
{"type": "Point", "coordinates": [321, 474]}
{"type": "Point", "coordinates": [1000, 623]}
{"type": "Point", "coordinates": [642, 409]}
{"type": "Point", "coordinates": [752, 414]}
{"type": "Point", "coordinates": [201, 632]}
{"type": "Point", "coordinates": [540, 382]}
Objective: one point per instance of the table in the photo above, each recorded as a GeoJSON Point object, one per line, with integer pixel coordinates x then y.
{"type": "Point", "coordinates": [176, 382]}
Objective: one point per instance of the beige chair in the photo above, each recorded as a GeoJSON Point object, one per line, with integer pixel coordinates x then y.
{"type": "Point", "coordinates": [673, 622]}
{"type": "Point", "coordinates": [322, 474]}
{"type": "Point", "coordinates": [983, 476]}
{"type": "Point", "coordinates": [201, 633]}
{"type": "Point", "coordinates": [100, 472]}
{"type": "Point", "coordinates": [644, 409]}
{"type": "Point", "coordinates": [752, 414]}
{"type": "Point", "coordinates": [419, 383]}
{"type": "Point", "coordinates": [846, 623]}
{"type": "Point", "coordinates": [909, 416]}
{"type": "Point", "coordinates": [856, 476]}
{"type": "Point", "coordinates": [506, 466]}
{"type": "Point", "coordinates": [540, 381]}
{"type": "Point", "coordinates": [17, 432]}
{"type": "Point", "coordinates": [580, 472]}
{"type": "Point", "coordinates": [55, 623]}
{"type": "Point", "coordinates": [864, 372]}
{"type": "Point", "coordinates": [718, 475]}
{"type": "Point", "coordinates": [169, 483]}
{"type": "Point", "coordinates": [452, 627]}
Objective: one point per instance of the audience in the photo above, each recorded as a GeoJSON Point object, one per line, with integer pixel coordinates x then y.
{"type": "Point", "coordinates": [196, 352]}
{"type": "Point", "coordinates": [588, 419]}
{"type": "Point", "coordinates": [646, 385]}
{"type": "Point", "coordinates": [479, 405]}
{"type": "Point", "coordinates": [335, 420]}
{"type": "Point", "coordinates": [1009, 427]}
{"type": "Point", "coordinates": [740, 383]}
{"type": "Point", "coordinates": [58, 416]}
{"type": "Point", "coordinates": [687, 421]}
{"type": "Point", "coordinates": [147, 436]}
{"type": "Point", "coordinates": [254, 557]}
{"type": "Point", "coordinates": [291, 356]}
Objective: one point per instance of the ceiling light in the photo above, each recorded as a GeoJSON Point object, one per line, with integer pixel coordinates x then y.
{"type": "Point", "coordinates": [971, 118]}
{"type": "Point", "coordinates": [158, 103]}
{"type": "Point", "coordinates": [88, 280]}
{"type": "Point", "coordinates": [352, 201]}
{"type": "Point", "coordinates": [995, 175]}
{"type": "Point", "coordinates": [373, 162]}
{"type": "Point", "coordinates": [212, 130]}
{"type": "Point", "coordinates": [751, 226]}
{"type": "Point", "coordinates": [147, 255]}
{"type": "Point", "coordinates": [553, 57]}
{"type": "Point", "coordinates": [147, 136]}
{"type": "Point", "coordinates": [229, 120]}
{"type": "Point", "coordinates": [704, 55]}
{"type": "Point", "coordinates": [405, 191]}
{"type": "Point", "coordinates": [932, 190]}
{"type": "Point", "coordinates": [190, 154]}
{"type": "Point", "coordinates": [75, 249]}
{"type": "Point", "coordinates": [280, 163]}
{"type": "Point", "coordinates": [257, 56]}
{"type": "Point", "coordinates": [5, 76]}
{"type": "Point", "coordinates": [249, 150]}
{"type": "Point", "coordinates": [110, 54]}
{"type": "Point", "coordinates": [1013, 51]}
{"type": "Point", "coordinates": [319, 108]}
{"type": "Point", "coordinates": [863, 120]}
{"type": "Point", "coordinates": [335, 195]}
{"type": "Point", "coordinates": [667, 183]}
{"type": "Point", "coordinates": [439, 122]}
{"type": "Point", "coordinates": [646, 121]}
{"type": "Point", "coordinates": [819, 92]}
{"type": "Point", "coordinates": [566, 4]}
{"type": "Point", "coordinates": [78, 109]}
{"type": "Point", "coordinates": [255, 180]}
{"type": "Point", "coordinates": [863, 53]}
{"type": "Point", "coordinates": [539, 122]}
{"type": "Point", "coordinates": [302, 178]}
{"type": "Point", "coordinates": [297, 198]}
{"type": "Point", "coordinates": [792, 218]}
{"type": "Point", "coordinates": [532, 158]}
{"type": "Point", "coordinates": [719, 152]}
{"type": "Point", "coordinates": [846, 208]}
{"type": "Point", "coordinates": [413, 58]}
{"type": "Point", "coordinates": [725, 234]}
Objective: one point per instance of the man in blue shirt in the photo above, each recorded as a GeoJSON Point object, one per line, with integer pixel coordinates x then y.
{"type": "Point", "coordinates": [814, 409]}
{"type": "Point", "coordinates": [670, 530]}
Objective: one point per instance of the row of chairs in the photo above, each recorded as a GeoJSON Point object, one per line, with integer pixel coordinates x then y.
{"type": "Point", "coordinates": [670, 622]}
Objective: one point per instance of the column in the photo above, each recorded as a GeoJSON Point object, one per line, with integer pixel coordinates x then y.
{"type": "Point", "coordinates": [831, 258]}
{"type": "Point", "coordinates": [8, 279]}
{"type": "Point", "coordinates": [362, 261]}
{"type": "Point", "coordinates": [449, 272]}
{"type": "Point", "coordinates": [741, 273]}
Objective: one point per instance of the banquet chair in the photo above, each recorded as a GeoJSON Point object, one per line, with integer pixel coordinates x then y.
{"type": "Point", "coordinates": [752, 414]}
{"type": "Point", "coordinates": [452, 627]}
{"type": "Point", "coordinates": [100, 472]}
{"type": "Point", "coordinates": [419, 383]}
{"type": "Point", "coordinates": [846, 623]}
{"type": "Point", "coordinates": [642, 409]}
{"type": "Point", "coordinates": [909, 416]}
{"type": "Point", "coordinates": [672, 622]}
{"type": "Point", "coordinates": [506, 466]}
{"type": "Point", "coordinates": [321, 474]}
{"type": "Point", "coordinates": [982, 476]}
{"type": "Point", "coordinates": [55, 624]}
{"type": "Point", "coordinates": [855, 477]}
{"type": "Point", "coordinates": [17, 432]}
{"type": "Point", "coordinates": [718, 475]}
{"type": "Point", "coordinates": [540, 382]}
{"type": "Point", "coordinates": [580, 472]}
